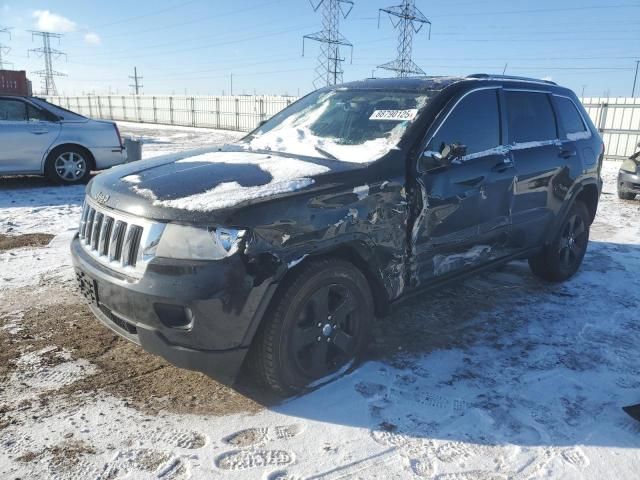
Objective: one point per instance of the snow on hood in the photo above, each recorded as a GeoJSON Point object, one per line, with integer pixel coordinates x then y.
{"type": "Point", "coordinates": [270, 175]}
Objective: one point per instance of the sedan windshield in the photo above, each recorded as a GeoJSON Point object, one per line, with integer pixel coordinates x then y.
{"type": "Point", "coordinates": [357, 126]}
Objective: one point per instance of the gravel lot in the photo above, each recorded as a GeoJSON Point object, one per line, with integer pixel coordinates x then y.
{"type": "Point", "coordinates": [522, 379]}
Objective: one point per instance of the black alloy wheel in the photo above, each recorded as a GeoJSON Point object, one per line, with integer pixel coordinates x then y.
{"type": "Point", "coordinates": [325, 335]}
{"type": "Point", "coordinates": [317, 327]}
{"type": "Point", "coordinates": [562, 258]}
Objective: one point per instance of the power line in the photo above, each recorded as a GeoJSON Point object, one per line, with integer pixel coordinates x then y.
{"type": "Point", "coordinates": [329, 70]}
{"type": "Point", "coordinates": [136, 81]}
{"type": "Point", "coordinates": [200, 19]}
{"type": "Point", "coordinates": [407, 19]}
{"type": "Point", "coordinates": [48, 53]}
{"type": "Point", "coordinates": [4, 49]}
{"type": "Point", "coordinates": [538, 10]}
{"type": "Point", "coordinates": [148, 14]}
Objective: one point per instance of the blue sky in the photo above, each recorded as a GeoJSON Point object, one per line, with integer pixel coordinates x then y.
{"type": "Point", "coordinates": [194, 45]}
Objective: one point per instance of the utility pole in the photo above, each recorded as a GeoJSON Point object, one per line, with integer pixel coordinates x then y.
{"type": "Point", "coordinates": [4, 49]}
{"type": "Point", "coordinates": [329, 69]}
{"type": "Point", "coordinates": [48, 53]}
{"type": "Point", "coordinates": [136, 81]}
{"type": "Point", "coordinates": [408, 20]}
{"type": "Point", "coordinates": [232, 84]}
{"type": "Point", "coordinates": [635, 79]}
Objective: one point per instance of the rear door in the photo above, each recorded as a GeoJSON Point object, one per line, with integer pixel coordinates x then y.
{"type": "Point", "coordinates": [465, 218]}
{"type": "Point", "coordinates": [540, 164]}
{"type": "Point", "coordinates": [25, 136]}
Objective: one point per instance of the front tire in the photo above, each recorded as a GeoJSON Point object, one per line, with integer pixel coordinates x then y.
{"type": "Point", "coordinates": [562, 258]}
{"type": "Point", "coordinates": [320, 323]}
{"type": "Point", "coordinates": [68, 165]}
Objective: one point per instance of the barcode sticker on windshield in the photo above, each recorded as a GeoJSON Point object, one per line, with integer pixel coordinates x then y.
{"type": "Point", "coordinates": [399, 115]}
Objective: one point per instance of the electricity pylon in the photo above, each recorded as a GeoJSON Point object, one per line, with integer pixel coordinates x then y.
{"type": "Point", "coordinates": [408, 20]}
{"type": "Point", "coordinates": [329, 70]}
{"type": "Point", "coordinates": [4, 49]}
{"type": "Point", "coordinates": [48, 53]}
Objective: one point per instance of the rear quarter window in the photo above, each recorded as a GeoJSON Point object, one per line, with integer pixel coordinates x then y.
{"type": "Point", "coordinates": [531, 117]}
{"type": "Point", "coordinates": [570, 117]}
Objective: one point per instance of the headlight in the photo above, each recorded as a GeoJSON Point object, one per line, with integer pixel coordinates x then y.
{"type": "Point", "coordinates": [195, 243]}
{"type": "Point", "coordinates": [629, 166]}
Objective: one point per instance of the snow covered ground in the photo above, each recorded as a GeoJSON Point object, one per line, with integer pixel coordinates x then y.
{"type": "Point", "coordinates": [502, 376]}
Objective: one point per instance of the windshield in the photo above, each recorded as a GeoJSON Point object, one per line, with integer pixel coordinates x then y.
{"type": "Point", "coordinates": [357, 126]}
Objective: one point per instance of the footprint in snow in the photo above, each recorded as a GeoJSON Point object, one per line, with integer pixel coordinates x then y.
{"type": "Point", "coordinates": [421, 468]}
{"type": "Point", "coordinates": [247, 437]}
{"type": "Point", "coordinates": [182, 439]}
{"type": "Point", "coordinates": [254, 436]}
{"type": "Point", "coordinates": [145, 460]}
{"type": "Point", "coordinates": [248, 456]}
{"type": "Point", "coordinates": [575, 456]}
{"type": "Point", "coordinates": [370, 390]}
{"type": "Point", "coordinates": [248, 459]}
{"type": "Point", "coordinates": [280, 475]}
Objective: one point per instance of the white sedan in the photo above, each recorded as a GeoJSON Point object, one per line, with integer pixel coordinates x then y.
{"type": "Point", "coordinates": [39, 138]}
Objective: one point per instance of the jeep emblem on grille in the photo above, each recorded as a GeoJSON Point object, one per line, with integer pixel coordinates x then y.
{"type": "Point", "coordinates": [102, 198]}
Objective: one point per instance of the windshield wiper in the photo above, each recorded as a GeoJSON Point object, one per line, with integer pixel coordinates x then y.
{"type": "Point", "coordinates": [325, 153]}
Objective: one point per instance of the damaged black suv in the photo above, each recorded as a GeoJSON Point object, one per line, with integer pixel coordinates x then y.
{"type": "Point", "coordinates": [277, 252]}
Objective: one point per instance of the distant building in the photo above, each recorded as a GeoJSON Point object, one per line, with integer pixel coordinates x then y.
{"type": "Point", "coordinates": [14, 82]}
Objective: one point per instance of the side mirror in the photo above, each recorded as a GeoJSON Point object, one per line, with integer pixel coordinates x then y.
{"type": "Point", "coordinates": [431, 160]}
{"type": "Point", "coordinates": [452, 151]}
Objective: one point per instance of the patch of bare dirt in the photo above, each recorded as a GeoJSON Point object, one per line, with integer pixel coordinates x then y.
{"type": "Point", "coordinates": [125, 370]}
{"type": "Point", "coordinates": [9, 242]}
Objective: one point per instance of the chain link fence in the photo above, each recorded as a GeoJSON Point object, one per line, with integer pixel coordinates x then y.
{"type": "Point", "coordinates": [242, 113]}
{"type": "Point", "coordinates": [617, 119]}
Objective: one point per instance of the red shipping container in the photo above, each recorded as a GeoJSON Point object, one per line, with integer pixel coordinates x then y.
{"type": "Point", "coordinates": [14, 82]}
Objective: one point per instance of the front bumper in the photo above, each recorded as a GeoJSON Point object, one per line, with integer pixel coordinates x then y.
{"type": "Point", "coordinates": [197, 315]}
{"type": "Point", "coordinates": [628, 182]}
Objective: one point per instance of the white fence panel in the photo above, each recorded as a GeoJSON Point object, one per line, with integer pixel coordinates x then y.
{"type": "Point", "coordinates": [242, 113]}
{"type": "Point", "coordinates": [617, 119]}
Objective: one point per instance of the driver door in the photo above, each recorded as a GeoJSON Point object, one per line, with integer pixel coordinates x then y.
{"type": "Point", "coordinates": [467, 197]}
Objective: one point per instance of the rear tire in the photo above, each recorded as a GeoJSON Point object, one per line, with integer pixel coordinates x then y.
{"type": "Point", "coordinates": [319, 324]}
{"type": "Point", "coordinates": [68, 165]}
{"type": "Point", "coordinates": [562, 258]}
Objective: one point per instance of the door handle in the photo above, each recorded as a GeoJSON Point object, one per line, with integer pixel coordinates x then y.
{"type": "Point", "coordinates": [505, 164]}
{"type": "Point", "coordinates": [39, 132]}
{"type": "Point", "coordinates": [568, 153]}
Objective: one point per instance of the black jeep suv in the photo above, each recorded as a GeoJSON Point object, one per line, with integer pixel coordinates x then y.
{"type": "Point", "coordinates": [281, 249]}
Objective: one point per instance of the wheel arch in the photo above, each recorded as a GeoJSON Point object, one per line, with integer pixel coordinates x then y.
{"type": "Point", "coordinates": [359, 256]}
{"type": "Point", "coordinates": [53, 150]}
{"type": "Point", "coordinates": [589, 195]}
{"type": "Point", "coordinates": [587, 192]}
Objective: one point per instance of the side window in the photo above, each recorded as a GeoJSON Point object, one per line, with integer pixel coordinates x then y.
{"type": "Point", "coordinates": [569, 116]}
{"type": "Point", "coordinates": [531, 117]}
{"type": "Point", "coordinates": [474, 123]}
{"type": "Point", "coordinates": [35, 114]}
{"type": "Point", "coordinates": [12, 110]}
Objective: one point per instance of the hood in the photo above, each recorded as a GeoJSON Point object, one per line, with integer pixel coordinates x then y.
{"type": "Point", "coordinates": [202, 183]}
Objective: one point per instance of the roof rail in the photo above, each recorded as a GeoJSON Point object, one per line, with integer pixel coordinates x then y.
{"type": "Point", "coordinates": [509, 77]}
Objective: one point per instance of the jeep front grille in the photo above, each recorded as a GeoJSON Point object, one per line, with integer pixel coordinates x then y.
{"type": "Point", "coordinates": [119, 241]}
